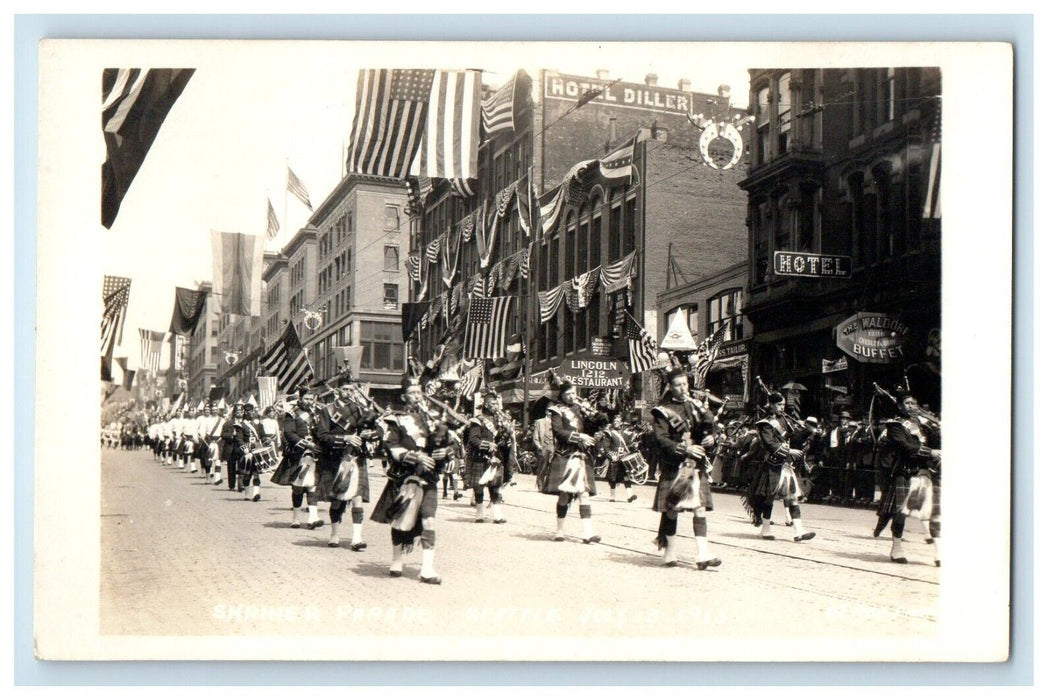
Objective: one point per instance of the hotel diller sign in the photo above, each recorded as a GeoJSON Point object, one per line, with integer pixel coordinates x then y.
{"type": "Point", "coordinates": [791, 264]}
{"type": "Point", "coordinates": [872, 337]}
{"type": "Point", "coordinates": [619, 94]}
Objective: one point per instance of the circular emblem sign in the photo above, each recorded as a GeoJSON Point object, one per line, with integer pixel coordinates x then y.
{"type": "Point", "coordinates": [721, 145]}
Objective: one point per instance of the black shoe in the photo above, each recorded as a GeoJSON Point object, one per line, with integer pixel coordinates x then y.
{"type": "Point", "coordinates": [768, 537]}
{"type": "Point", "coordinates": [806, 536]}
{"type": "Point", "coordinates": [592, 540]}
{"type": "Point", "coordinates": [929, 540]}
{"type": "Point", "coordinates": [899, 560]}
{"type": "Point", "coordinates": [702, 565]}
{"type": "Point", "coordinates": [937, 563]}
{"type": "Point", "coordinates": [333, 544]}
{"type": "Point", "coordinates": [558, 538]}
{"type": "Point", "coordinates": [434, 580]}
{"type": "Point", "coordinates": [632, 498]}
{"type": "Point", "coordinates": [358, 546]}
{"type": "Point", "coordinates": [786, 524]}
{"type": "Point", "coordinates": [669, 564]}
{"type": "Point", "coordinates": [256, 498]}
{"type": "Point", "coordinates": [395, 574]}
{"type": "Point", "coordinates": [500, 521]}
{"type": "Point", "coordinates": [478, 520]}
{"type": "Point", "coordinates": [317, 523]}
{"type": "Point", "coordinates": [457, 496]}
{"type": "Point", "coordinates": [295, 526]}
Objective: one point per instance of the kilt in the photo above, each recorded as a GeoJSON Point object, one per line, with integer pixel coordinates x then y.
{"type": "Point", "coordinates": [333, 482]}
{"type": "Point", "coordinates": [388, 498]}
{"type": "Point", "coordinates": [555, 475]}
{"type": "Point", "coordinates": [897, 495]}
{"type": "Point", "coordinates": [475, 470]}
{"type": "Point", "coordinates": [666, 480]}
{"type": "Point", "coordinates": [290, 468]}
{"type": "Point", "coordinates": [616, 472]}
{"type": "Point", "coordinates": [770, 483]}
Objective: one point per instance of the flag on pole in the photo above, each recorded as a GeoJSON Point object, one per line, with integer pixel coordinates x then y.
{"type": "Point", "coordinates": [150, 349]}
{"type": "Point", "coordinates": [485, 328]}
{"type": "Point", "coordinates": [115, 305]}
{"type": "Point", "coordinates": [470, 382]}
{"type": "Point", "coordinates": [237, 268]}
{"type": "Point", "coordinates": [707, 352]}
{"type": "Point", "coordinates": [619, 164]}
{"type": "Point", "coordinates": [272, 221]}
{"type": "Point", "coordinates": [642, 346]}
{"type": "Point", "coordinates": [268, 390]}
{"type": "Point", "coordinates": [499, 110]}
{"type": "Point", "coordinates": [187, 309]}
{"type": "Point", "coordinates": [294, 185]}
{"type": "Point", "coordinates": [451, 140]}
{"type": "Point", "coordinates": [135, 104]}
{"type": "Point", "coordinates": [390, 112]}
{"type": "Point", "coordinates": [287, 361]}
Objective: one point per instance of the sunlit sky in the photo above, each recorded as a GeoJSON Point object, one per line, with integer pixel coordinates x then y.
{"type": "Point", "coordinates": [245, 114]}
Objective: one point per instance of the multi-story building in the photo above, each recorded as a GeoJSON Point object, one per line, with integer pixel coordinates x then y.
{"type": "Point", "coordinates": [672, 202]}
{"type": "Point", "coordinates": [203, 353]}
{"type": "Point", "coordinates": [844, 163]}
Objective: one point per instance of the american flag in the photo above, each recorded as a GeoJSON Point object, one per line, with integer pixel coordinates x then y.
{"type": "Point", "coordinates": [413, 264]}
{"type": "Point", "coordinates": [619, 164]}
{"type": "Point", "coordinates": [272, 221]}
{"type": "Point", "coordinates": [287, 361]}
{"type": "Point", "coordinates": [498, 110]}
{"type": "Point", "coordinates": [452, 127]}
{"type": "Point", "coordinates": [150, 349]}
{"type": "Point", "coordinates": [115, 304]}
{"type": "Point", "coordinates": [268, 390]}
{"type": "Point", "coordinates": [932, 201]}
{"type": "Point", "coordinates": [470, 382]}
{"type": "Point", "coordinates": [707, 352]}
{"type": "Point", "coordinates": [525, 214]}
{"type": "Point", "coordinates": [642, 346]}
{"type": "Point", "coordinates": [294, 185]}
{"type": "Point", "coordinates": [485, 329]}
{"type": "Point", "coordinates": [550, 206]}
{"type": "Point", "coordinates": [463, 187]}
{"type": "Point", "coordinates": [549, 301]}
{"type": "Point", "coordinates": [390, 113]}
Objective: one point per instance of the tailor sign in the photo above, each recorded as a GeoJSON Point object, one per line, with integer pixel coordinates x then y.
{"type": "Point", "coordinates": [791, 264]}
{"type": "Point", "coordinates": [594, 371]}
{"type": "Point", "coordinates": [620, 94]}
{"type": "Point", "coordinates": [872, 337]}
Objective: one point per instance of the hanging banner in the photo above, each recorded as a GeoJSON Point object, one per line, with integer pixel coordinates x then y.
{"type": "Point", "coordinates": [872, 337]}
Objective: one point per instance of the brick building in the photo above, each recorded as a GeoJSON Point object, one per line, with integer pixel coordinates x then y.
{"type": "Point", "coordinates": [203, 354]}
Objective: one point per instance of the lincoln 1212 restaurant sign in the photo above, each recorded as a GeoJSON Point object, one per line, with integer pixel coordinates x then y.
{"type": "Point", "coordinates": [872, 337]}
{"type": "Point", "coordinates": [791, 264]}
{"type": "Point", "coordinates": [594, 371]}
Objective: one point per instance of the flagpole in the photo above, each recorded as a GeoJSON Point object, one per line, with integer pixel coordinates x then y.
{"type": "Point", "coordinates": [525, 299]}
{"type": "Point", "coordinates": [285, 202]}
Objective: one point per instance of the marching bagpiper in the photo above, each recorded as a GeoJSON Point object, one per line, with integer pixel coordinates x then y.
{"type": "Point", "coordinates": [684, 429]}
{"type": "Point", "coordinates": [570, 474]}
{"type": "Point", "coordinates": [487, 438]}
{"type": "Point", "coordinates": [346, 433]}
{"type": "Point", "coordinates": [248, 438]}
{"type": "Point", "coordinates": [914, 469]}
{"type": "Point", "coordinates": [228, 454]}
{"type": "Point", "coordinates": [408, 502]}
{"type": "Point", "coordinates": [775, 478]}
{"type": "Point", "coordinates": [613, 449]}
{"type": "Point", "coordinates": [188, 439]}
{"type": "Point", "coordinates": [298, 467]}
{"type": "Point", "coordinates": [210, 427]}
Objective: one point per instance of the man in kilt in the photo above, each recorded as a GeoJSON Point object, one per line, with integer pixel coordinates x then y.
{"type": "Point", "coordinates": [408, 502]}
{"type": "Point", "coordinates": [210, 424]}
{"type": "Point", "coordinates": [227, 448]}
{"type": "Point", "coordinates": [612, 447]}
{"type": "Point", "coordinates": [570, 475]}
{"type": "Point", "coordinates": [249, 436]}
{"type": "Point", "coordinates": [908, 452]}
{"type": "Point", "coordinates": [775, 478]}
{"type": "Point", "coordinates": [487, 458]}
{"type": "Point", "coordinates": [684, 429]}
{"type": "Point", "coordinates": [298, 468]}
{"type": "Point", "coordinates": [346, 431]}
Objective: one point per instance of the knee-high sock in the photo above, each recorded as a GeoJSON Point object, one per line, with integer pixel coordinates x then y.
{"type": "Point", "coordinates": [497, 505]}
{"type": "Point", "coordinates": [797, 523]}
{"type": "Point", "coordinates": [428, 553]}
{"type": "Point", "coordinates": [699, 530]}
{"type": "Point", "coordinates": [896, 552]}
{"type": "Point", "coordinates": [586, 515]}
{"type": "Point", "coordinates": [357, 524]}
{"type": "Point", "coordinates": [562, 513]}
{"type": "Point", "coordinates": [765, 527]}
{"type": "Point", "coordinates": [335, 531]}
{"type": "Point", "coordinates": [313, 512]}
{"type": "Point", "coordinates": [668, 527]}
{"type": "Point", "coordinates": [256, 490]}
{"type": "Point", "coordinates": [480, 507]}
{"type": "Point", "coordinates": [397, 551]}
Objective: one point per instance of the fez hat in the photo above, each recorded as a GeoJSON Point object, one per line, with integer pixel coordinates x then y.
{"type": "Point", "coordinates": [489, 393]}
{"type": "Point", "coordinates": [565, 385]}
{"type": "Point", "coordinates": [775, 397]}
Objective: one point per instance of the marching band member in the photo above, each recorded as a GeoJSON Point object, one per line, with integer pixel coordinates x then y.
{"type": "Point", "coordinates": [914, 469]}
{"type": "Point", "coordinates": [775, 478]}
{"type": "Point", "coordinates": [486, 463]}
{"type": "Point", "coordinates": [188, 439]}
{"type": "Point", "coordinates": [346, 433]}
{"type": "Point", "coordinates": [684, 429]}
{"type": "Point", "coordinates": [173, 430]}
{"type": "Point", "coordinates": [570, 470]}
{"type": "Point", "coordinates": [210, 428]}
{"type": "Point", "coordinates": [248, 436]}
{"type": "Point", "coordinates": [298, 468]}
{"type": "Point", "coordinates": [611, 446]}
{"type": "Point", "coordinates": [227, 451]}
{"type": "Point", "coordinates": [408, 502]}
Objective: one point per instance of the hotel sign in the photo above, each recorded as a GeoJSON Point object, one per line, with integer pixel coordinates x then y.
{"type": "Point", "coordinates": [620, 94]}
{"type": "Point", "coordinates": [791, 264]}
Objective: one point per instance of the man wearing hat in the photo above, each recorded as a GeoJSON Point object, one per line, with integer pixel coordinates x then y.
{"type": "Point", "coordinates": [776, 479]}
{"type": "Point", "coordinates": [906, 451]}
{"type": "Point", "coordinates": [298, 468]}
{"type": "Point", "coordinates": [408, 502]}
{"type": "Point", "coordinates": [228, 452]}
{"type": "Point", "coordinates": [210, 423]}
{"type": "Point", "coordinates": [487, 458]}
{"type": "Point", "coordinates": [570, 475]}
{"type": "Point", "coordinates": [684, 429]}
{"type": "Point", "coordinates": [343, 431]}
{"type": "Point", "coordinates": [249, 436]}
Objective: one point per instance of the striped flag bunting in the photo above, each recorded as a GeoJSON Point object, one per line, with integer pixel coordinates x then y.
{"type": "Point", "coordinates": [432, 252]}
{"type": "Point", "coordinates": [467, 228]}
{"type": "Point", "coordinates": [477, 287]}
{"type": "Point", "coordinates": [707, 352]}
{"type": "Point", "coordinates": [470, 382]}
{"type": "Point", "coordinates": [135, 105]}
{"type": "Point", "coordinates": [463, 187]}
{"type": "Point", "coordinates": [485, 328]}
{"type": "Point", "coordinates": [485, 237]}
{"type": "Point", "coordinates": [643, 348]}
{"type": "Point", "coordinates": [619, 164]}
{"type": "Point", "coordinates": [287, 361]}
{"type": "Point", "coordinates": [549, 301]}
{"type": "Point", "coordinates": [932, 200]}
{"type": "Point", "coordinates": [550, 206]}
{"type": "Point", "coordinates": [525, 262]}
{"type": "Point", "coordinates": [150, 349]}
{"type": "Point", "coordinates": [452, 127]}
{"type": "Point", "coordinates": [413, 263]}
{"type": "Point", "coordinates": [492, 279]}
{"type": "Point", "coordinates": [115, 306]}
{"type": "Point", "coordinates": [524, 206]}
{"type": "Point", "coordinates": [616, 275]}
{"type": "Point", "coordinates": [391, 107]}
{"type": "Point", "coordinates": [294, 185]}
{"type": "Point", "coordinates": [237, 267]}
{"type": "Point", "coordinates": [503, 198]}
{"type": "Point", "coordinates": [272, 221]}
{"type": "Point", "coordinates": [268, 390]}
{"type": "Point", "coordinates": [451, 252]}
{"type": "Point", "coordinates": [498, 110]}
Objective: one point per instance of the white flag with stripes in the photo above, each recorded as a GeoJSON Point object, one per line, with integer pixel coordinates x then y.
{"type": "Point", "coordinates": [268, 390]}
{"type": "Point", "coordinates": [287, 362]}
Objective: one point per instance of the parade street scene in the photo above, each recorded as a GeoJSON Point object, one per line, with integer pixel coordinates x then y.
{"type": "Point", "coordinates": [517, 351]}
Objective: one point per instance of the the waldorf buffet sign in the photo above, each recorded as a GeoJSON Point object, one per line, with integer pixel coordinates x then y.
{"type": "Point", "coordinates": [872, 337]}
{"type": "Point", "coordinates": [594, 371]}
{"type": "Point", "coordinates": [791, 264]}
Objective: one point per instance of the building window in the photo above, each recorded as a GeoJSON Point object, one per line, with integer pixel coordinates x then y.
{"type": "Point", "coordinates": [391, 299]}
{"type": "Point", "coordinates": [784, 113]}
{"type": "Point", "coordinates": [726, 306]}
{"type": "Point", "coordinates": [762, 124]}
{"type": "Point", "coordinates": [382, 345]}
{"type": "Point", "coordinates": [391, 217]}
{"type": "Point", "coordinates": [887, 95]}
{"type": "Point", "coordinates": [392, 258]}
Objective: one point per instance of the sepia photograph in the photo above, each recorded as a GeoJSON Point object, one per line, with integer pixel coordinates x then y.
{"type": "Point", "coordinates": [557, 352]}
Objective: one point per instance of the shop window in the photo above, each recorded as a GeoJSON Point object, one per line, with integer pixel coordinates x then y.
{"type": "Point", "coordinates": [382, 345]}
{"type": "Point", "coordinates": [726, 306]}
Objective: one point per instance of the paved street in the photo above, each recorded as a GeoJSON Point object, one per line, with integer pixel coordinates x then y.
{"type": "Point", "coordinates": [182, 557]}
